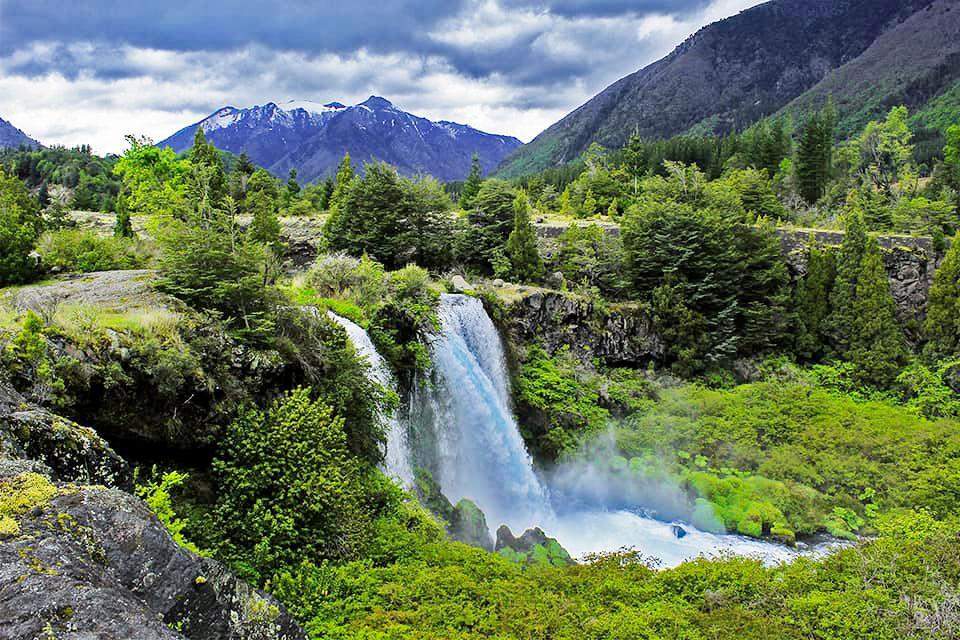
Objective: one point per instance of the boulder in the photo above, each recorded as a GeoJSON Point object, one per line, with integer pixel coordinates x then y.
{"type": "Point", "coordinates": [460, 285]}
{"type": "Point", "coordinates": [533, 547]}
{"type": "Point", "coordinates": [469, 525]}
{"type": "Point", "coordinates": [92, 562]}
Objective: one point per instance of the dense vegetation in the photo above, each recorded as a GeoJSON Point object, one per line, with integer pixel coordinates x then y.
{"type": "Point", "coordinates": [781, 407]}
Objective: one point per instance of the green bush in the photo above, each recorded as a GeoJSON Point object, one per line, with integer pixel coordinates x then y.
{"type": "Point", "coordinates": [71, 250]}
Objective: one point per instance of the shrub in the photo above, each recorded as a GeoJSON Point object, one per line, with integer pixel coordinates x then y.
{"type": "Point", "coordinates": [82, 251]}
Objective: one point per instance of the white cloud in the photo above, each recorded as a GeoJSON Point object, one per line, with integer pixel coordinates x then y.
{"type": "Point", "coordinates": [527, 68]}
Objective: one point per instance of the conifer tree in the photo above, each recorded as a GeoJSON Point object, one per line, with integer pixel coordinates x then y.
{"type": "Point", "coordinates": [244, 165]}
{"type": "Point", "coordinates": [526, 264]}
{"type": "Point", "coordinates": [566, 207]}
{"type": "Point", "coordinates": [589, 204]}
{"type": "Point", "coordinates": [815, 154]}
{"type": "Point", "coordinates": [345, 175]}
{"type": "Point", "coordinates": [813, 303]}
{"type": "Point", "coordinates": [471, 187]}
{"type": "Point", "coordinates": [844, 292]}
{"type": "Point", "coordinates": [877, 345]}
{"type": "Point", "coordinates": [942, 327]}
{"type": "Point", "coordinates": [293, 187]}
{"type": "Point", "coordinates": [122, 228]}
{"type": "Point", "coordinates": [205, 155]}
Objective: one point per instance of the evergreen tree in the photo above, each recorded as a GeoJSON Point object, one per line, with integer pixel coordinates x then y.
{"type": "Point", "coordinates": [877, 345]}
{"type": "Point", "coordinates": [813, 303]}
{"type": "Point", "coordinates": [265, 225]}
{"type": "Point", "coordinates": [814, 160]}
{"type": "Point", "coordinates": [204, 154]}
{"type": "Point", "coordinates": [490, 223]}
{"type": "Point", "coordinates": [43, 196]}
{"type": "Point", "coordinates": [123, 227]}
{"type": "Point", "coordinates": [526, 264]}
{"type": "Point", "coordinates": [566, 207]}
{"type": "Point", "coordinates": [244, 165]}
{"type": "Point", "coordinates": [293, 187]}
{"type": "Point", "coordinates": [942, 327]}
{"type": "Point", "coordinates": [844, 292]}
{"type": "Point", "coordinates": [471, 187]}
{"type": "Point", "coordinates": [20, 225]}
{"type": "Point", "coordinates": [429, 226]}
{"type": "Point", "coordinates": [589, 206]}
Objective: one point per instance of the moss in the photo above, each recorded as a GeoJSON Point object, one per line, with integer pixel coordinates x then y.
{"type": "Point", "coordinates": [20, 494]}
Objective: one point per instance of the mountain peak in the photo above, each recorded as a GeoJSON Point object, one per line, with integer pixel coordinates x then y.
{"type": "Point", "coordinates": [376, 102]}
{"type": "Point", "coordinates": [12, 137]}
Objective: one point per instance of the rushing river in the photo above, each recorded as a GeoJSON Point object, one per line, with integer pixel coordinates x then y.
{"type": "Point", "coordinates": [460, 425]}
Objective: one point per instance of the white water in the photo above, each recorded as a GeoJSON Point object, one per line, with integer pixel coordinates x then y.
{"type": "Point", "coordinates": [397, 459]}
{"type": "Point", "coordinates": [466, 435]}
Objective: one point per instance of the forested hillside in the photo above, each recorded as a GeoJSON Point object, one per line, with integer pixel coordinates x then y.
{"type": "Point", "coordinates": [750, 66]}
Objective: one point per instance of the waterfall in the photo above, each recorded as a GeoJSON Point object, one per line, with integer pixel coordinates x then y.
{"type": "Point", "coordinates": [397, 460]}
{"type": "Point", "coordinates": [478, 452]}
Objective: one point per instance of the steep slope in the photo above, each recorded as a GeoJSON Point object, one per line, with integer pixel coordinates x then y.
{"type": "Point", "coordinates": [312, 138]}
{"type": "Point", "coordinates": [913, 63]}
{"type": "Point", "coordinates": [11, 137]}
{"type": "Point", "coordinates": [725, 76]}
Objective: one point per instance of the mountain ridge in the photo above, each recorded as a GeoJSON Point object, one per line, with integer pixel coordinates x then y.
{"type": "Point", "coordinates": [312, 138]}
{"type": "Point", "coordinates": [724, 77]}
{"type": "Point", "coordinates": [11, 137]}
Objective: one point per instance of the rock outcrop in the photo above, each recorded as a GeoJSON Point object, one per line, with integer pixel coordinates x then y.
{"type": "Point", "coordinates": [621, 334]}
{"type": "Point", "coordinates": [464, 522]}
{"type": "Point", "coordinates": [533, 547]}
{"type": "Point", "coordinates": [84, 561]}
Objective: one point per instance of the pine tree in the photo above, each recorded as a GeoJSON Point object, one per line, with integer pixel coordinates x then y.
{"type": "Point", "coordinates": [205, 155]}
{"type": "Point", "coordinates": [471, 187]}
{"type": "Point", "coordinates": [813, 303]}
{"type": "Point", "coordinates": [814, 161]}
{"type": "Point", "coordinates": [244, 165]}
{"type": "Point", "coordinates": [877, 345]}
{"type": "Point", "coordinates": [566, 207]}
{"type": "Point", "coordinates": [941, 329]}
{"type": "Point", "coordinates": [613, 212]}
{"type": "Point", "coordinates": [122, 228]}
{"type": "Point", "coordinates": [589, 206]}
{"type": "Point", "coordinates": [525, 262]}
{"type": "Point", "coordinates": [844, 291]}
{"type": "Point", "coordinates": [293, 187]}
{"type": "Point", "coordinates": [345, 175]}
{"type": "Point", "coordinates": [265, 226]}
{"type": "Point", "coordinates": [43, 196]}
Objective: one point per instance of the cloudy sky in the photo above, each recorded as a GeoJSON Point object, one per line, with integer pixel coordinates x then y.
{"type": "Point", "coordinates": [92, 71]}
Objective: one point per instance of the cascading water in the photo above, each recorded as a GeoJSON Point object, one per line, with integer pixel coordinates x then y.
{"type": "Point", "coordinates": [397, 460]}
{"type": "Point", "coordinates": [478, 451]}
{"type": "Point", "coordinates": [462, 429]}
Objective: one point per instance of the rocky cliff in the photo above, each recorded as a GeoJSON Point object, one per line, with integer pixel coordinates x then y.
{"type": "Point", "coordinates": [80, 560]}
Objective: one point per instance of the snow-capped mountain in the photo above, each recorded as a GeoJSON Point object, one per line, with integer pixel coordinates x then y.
{"type": "Point", "coordinates": [312, 138]}
{"type": "Point", "coordinates": [11, 137]}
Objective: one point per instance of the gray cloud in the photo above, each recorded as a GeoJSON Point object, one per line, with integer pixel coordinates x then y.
{"type": "Point", "coordinates": [93, 71]}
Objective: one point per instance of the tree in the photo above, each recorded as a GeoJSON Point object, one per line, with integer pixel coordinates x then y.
{"type": "Point", "coordinates": [265, 225]}
{"type": "Point", "coordinates": [153, 180]}
{"type": "Point", "coordinates": [43, 196]}
{"type": "Point", "coordinates": [877, 345]}
{"type": "Point", "coordinates": [844, 292]}
{"type": "Point", "coordinates": [292, 191]}
{"type": "Point", "coordinates": [886, 155]}
{"type": "Point", "coordinates": [204, 154]}
{"type": "Point", "coordinates": [122, 227]}
{"type": "Point", "coordinates": [815, 154]}
{"type": "Point", "coordinates": [471, 187]}
{"type": "Point", "coordinates": [813, 303]}
{"type": "Point", "coordinates": [20, 225]}
{"type": "Point", "coordinates": [941, 330]}
{"type": "Point", "coordinates": [490, 223]}
{"type": "Point", "coordinates": [244, 165]}
{"type": "Point", "coordinates": [592, 257]}
{"type": "Point", "coordinates": [429, 226]}
{"type": "Point", "coordinates": [289, 489]}
{"type": "Point", "coordinates": [521, 249]}
{"type": "Point", "coordinates": [342, 182]}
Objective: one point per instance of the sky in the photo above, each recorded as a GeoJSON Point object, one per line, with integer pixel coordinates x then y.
{"type": "Point", "coordinates": [90, 72]}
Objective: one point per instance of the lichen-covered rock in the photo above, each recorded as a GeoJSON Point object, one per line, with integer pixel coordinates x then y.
{"type": "Point", "coordinates": [92, 562]}
{"type": "Point", "coordinates": [62, 448]}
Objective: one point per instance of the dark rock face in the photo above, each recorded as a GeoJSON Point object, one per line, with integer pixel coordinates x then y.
{"type": "Point", "coordinates": [464, 522]}
{"type": "Point", "coordinates": [313, 139]}
{"type": "Point", "coordinates": [95, 562]}
{"type": "Point", "coordinates": [732, 73]}
{"type": "Point", "coordinates": [621, 335]}
{"type": "Point", "coordinates": [61, 448]}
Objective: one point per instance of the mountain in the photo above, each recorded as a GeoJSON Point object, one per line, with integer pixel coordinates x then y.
{"type": "Point", "coordinates": [11, 137]}
{"type": "Point", "coordinates": [736, 71]}
{"type": "Point", "coordinates": [312, 138]}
